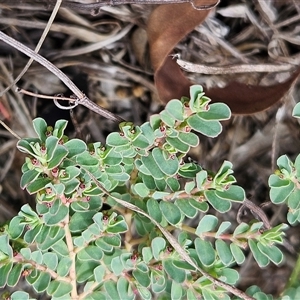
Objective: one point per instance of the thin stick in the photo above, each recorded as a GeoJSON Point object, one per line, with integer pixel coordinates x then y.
{"type": "Point", "coordinates": [38, 46]}
{"type": "Point", "coordinates": [232, 69]}
{"type": "Point", "coordinates": [82, 98]}
{"type": "Point", "coordinates": [10, 130]}
{"type": "Point", "coordinates": [56, 97]}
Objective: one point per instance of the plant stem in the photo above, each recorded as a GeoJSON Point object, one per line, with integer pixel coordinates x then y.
{"type": "Point", "coordinates": [72, 255]}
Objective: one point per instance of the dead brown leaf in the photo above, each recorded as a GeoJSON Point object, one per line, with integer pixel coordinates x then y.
{"type": "Point", "coordinates": [167, 25]}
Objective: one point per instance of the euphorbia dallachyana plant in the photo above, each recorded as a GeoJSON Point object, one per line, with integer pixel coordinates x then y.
{"type": "Point", "coordinates": [111, 220]}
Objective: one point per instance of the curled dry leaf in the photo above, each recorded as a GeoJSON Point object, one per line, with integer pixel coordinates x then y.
{"type": "Point", "coordinates": [167, 25]}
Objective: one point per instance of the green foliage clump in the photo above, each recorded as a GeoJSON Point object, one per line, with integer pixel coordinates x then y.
{"type": "Point", "coordinates": [102, 212]}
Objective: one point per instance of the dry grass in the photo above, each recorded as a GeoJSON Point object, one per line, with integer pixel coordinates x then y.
{"type": "Point", "coordinates": [106, 55]}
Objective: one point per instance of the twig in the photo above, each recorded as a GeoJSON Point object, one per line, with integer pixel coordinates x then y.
{"type": "Point", "coordinates": [232, 69]}
{"type": "Point", "coordinates": [257, 210]}
{"type": "Point", "coordinates": [10, 130]}
{"type": "Point", "coordinates": [82, 98]}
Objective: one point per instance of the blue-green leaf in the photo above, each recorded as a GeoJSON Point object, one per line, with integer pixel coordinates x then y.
{"type": "Point", "coordinates": [169, 165]}
{"type": "Point", "coordinates": [175, 108]}
{"type": "Point", "coordinates": [171, 212]}
{"type": "Point", "coordinates": [205, 252]}
{"type": "Point", "coordinates": [208, 128]}
{"type": "Point", "coordinates": [206, 224]}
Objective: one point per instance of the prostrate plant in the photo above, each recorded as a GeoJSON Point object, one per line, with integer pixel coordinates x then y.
{"type": "Point", "coordinates": [104, 213]}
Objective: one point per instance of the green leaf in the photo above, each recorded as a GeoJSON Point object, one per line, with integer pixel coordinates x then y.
{"type": "Point", "coordinates": [118, 225]}
{"type": "Point", "coordinates": [272, 252]}
{"type": "Point", "coordinates": [141, 189]}
{"type": "Point", "coordinates": [158, 244]}
{"type": "Point", "coordinates": [167, 118]}
{"type": "Point", "coordinates": [183, 265]}
{"type": "Point", "coordinates": [237, 253]}
{"type": "Point", "coordinates": [152, 167]}
{"type": "Point", "coordinates": [222, 228]}
{"type": "Point", "coordinates": [81, 220]}
{"type": "Point", "coordinates": [89, 162]}
{"type": "Point", "coordinates": [171, 212]}
{"type": "Point", "coordinates": [15, 274]}
{"type": "Point", "coordinates": [5, 270]}
{"type": "Point", "coordinates": [90, 253]}
{"type": "Point", "coordinates": [59, 288]}
{"type": "Point", "coordinates": [176, 274]}
{"type": "Point", "coordinates": [201, 178]}
{"type": "Point", "coordinates": [31, 234]}
{"type": "Point", "coordinates": [224, 252]}
{"type": "Point", "coordinates": [114, 139]}
{"type": "Point", "coordinates": [147, 254]}
{"type": "Point", "coordinates": [217, 203]}
{"type": "Point", "coordinates": [117, 266]}
{"type": "Point", "coordinates": [37, 185]}
{"type": "Point", "coordinates": [233, 193]}
{"type": "Point", "coordinates": [202, 206]}
{"type": "Point", "coordinates": [284, 162]}
{"type": "Point", "coordinates": [26, 146]}
{"type": "Point", "coordinates": [189, 138]}
{"type": "Point", "coordinates": [28, 177]}
{"type": "Point", "coordinates": [260, 258]}
{"type": "Point", "coordinates": [50, 259]}
{"type": "Point", "coordinates": [176, 291]}
{"type": "Point", "coordinates": [208, 128]}
{"type": "Point", "coordinates": [5, 247]}
{"type": "Point", "coordinates": [177, 144]}
{"type": "Point", "coordinates": [84, 271]}
{"type": "Point", "coordinates": [277, 182]}
{"type": "Point", "coordinates": [296, 111]}
{"type": "Point", "coordinates": [41, 284]}
{"type": "Point", "coordinates": [111, 290]}
{"type": "Point", "coordinates": [173, 184]}
{"type": "Point", "coordinates": [229, 276]}
{"type": "Point", "coordinates": [158, 282]}
{"type": "Point", "coordinates": [294, 200]}
{"type": "Point", "coordinates": [75, 147]}
{"type": "Point", "coordinates": [153, 209]}
{"type": "Point", "coordinates": [279, 195]}
{"type": "Point", "coordinates": [19, 295]}
{"type": "Point", "coordinates": [99, 273]}
{"type": "Point", "coordinates": [63, 266]}
{"type": "Point", "coordinates": [142, 278]}
{"type": "Point", "coordinates": [205, 252]}
{"type": "Point", "coordinates": [175, 108]}
{"type": "Point", "coordinates": [168, 165]}
{"type": "Point", "coordinates": [53, 219]}
{"type": "Point", "coordinates": [61, 248]}
{"type": "Point", "coordinates": [124, 289]}
{"type": "Point", "coordinates": [186, 208]}
{"type": "Point", "coordinates": [241, 228]}
{"type": "Point", "coordinates": [141, 142]}
{"type": "Point", "coordinates": [47, 238]}
{"type": "Point", "coordinates": [217, 111]}
{"type": "Point", "coordinates": [40, 127]}
{"type": "Point", "coordinates": [59, 128]}
{"type": "Point", "coordinates": [206, 224]}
